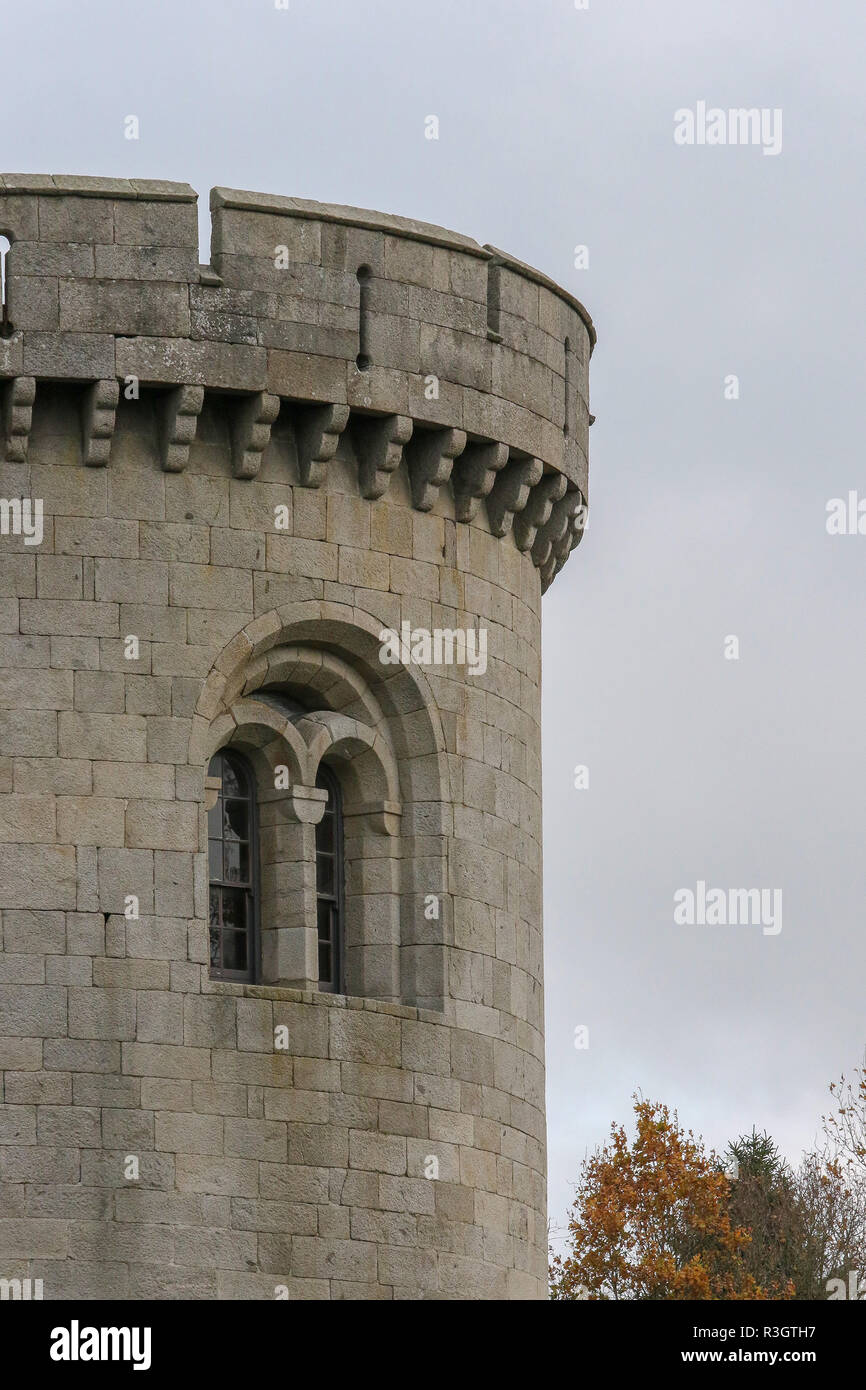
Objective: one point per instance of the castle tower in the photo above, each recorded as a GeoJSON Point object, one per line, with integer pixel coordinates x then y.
{"type": "Point", "coordinates": [275, 532]}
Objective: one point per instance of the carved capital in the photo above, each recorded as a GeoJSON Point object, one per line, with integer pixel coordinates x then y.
{"type": "Point", "coordinates": [307, 804]}
{"type": "Point", "coordinates": [212, 786]}
{"type": "Point", "coordinates": [297, 803]}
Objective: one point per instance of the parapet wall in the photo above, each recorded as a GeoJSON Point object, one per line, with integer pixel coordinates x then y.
{"type": "Point", "coordinates": [479, 358]}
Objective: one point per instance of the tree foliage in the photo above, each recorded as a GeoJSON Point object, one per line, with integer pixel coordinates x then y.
{"type": "Point", "coordinates": [652, 1221]}
{"type": "Point", "coordinates": [763, 1200]}
{"type": "Point", "coordinates": [660, 1218]}
{"type": "Point", "coordinates": [845, 1128]}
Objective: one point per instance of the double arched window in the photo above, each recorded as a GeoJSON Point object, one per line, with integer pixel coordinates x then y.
{"type": "Point", "coordinates": [347, 767]}
{"type": "Point", "coordinates": [233, 855]}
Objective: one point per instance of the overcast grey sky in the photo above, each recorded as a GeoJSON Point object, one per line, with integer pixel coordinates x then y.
{"type": "Point", "coordinates": [707, 515]}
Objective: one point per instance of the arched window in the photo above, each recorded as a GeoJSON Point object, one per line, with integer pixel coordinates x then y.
{"type": "Point", "coordinates": [329, 885]}
{"type": "Point", "coordinates": [233, 866]}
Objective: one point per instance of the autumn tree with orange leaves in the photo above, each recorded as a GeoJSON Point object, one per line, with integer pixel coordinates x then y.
{"type": "Point", "coordinates": [651, 1221]}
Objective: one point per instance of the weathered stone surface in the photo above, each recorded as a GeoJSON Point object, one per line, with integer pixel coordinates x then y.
{"type": "Point", "coordinates": [97, 421]}
{"type": "Point", "coordinates": [248, 472]}
{"type": "Point", "coordinates": [18, 396]}
{"type": "Point", "coordinates": [181, 408]}
{"type": "Point", "coordinates": [317, 435]}
{"type": "Point", "coordinates": [251, 430]}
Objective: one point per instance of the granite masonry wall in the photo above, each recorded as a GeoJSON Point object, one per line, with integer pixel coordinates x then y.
{"type": "Point", "coordinates": [247, 470]}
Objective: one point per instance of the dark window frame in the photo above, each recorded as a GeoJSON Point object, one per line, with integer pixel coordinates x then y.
{"type": "Point", "coordinates": [251, 888]}
{"type": "Point", "coordinates": [332, 904]}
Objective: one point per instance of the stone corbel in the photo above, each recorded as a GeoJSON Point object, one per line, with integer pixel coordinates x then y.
{"type": "Point", "coordinates": [383, 817]}
{"type": "Point", "coordinates": [562, 549]}
{"type": "Point", "coordinates": [552, 532]}
{"type": "Point", "coordinates": [430, 458]}
{"type": "Point", "coordinates": [475, 476]}
{"type": "Point", "coordinates": [379, 444]}
{"type": "Point", "coordinates": [317, 434]}
{"type": "Point", "coordinates": [510, 493]}
{"type": "Point", "coordinates": [548, 572]}
{"type": "Point", "coordinates": [538, 508]}
{"type": "Point", "coordinates": [98, 411]}
{"type": "Point", "coordinates": [251, 430]}
{"type": "Point", "coordinates": [181, 408]}
{"type": "Point", "coordinates": [18, 397]}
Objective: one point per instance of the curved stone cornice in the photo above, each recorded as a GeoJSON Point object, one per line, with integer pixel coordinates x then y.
{"type": "Point", "coordinates": [428, 348]}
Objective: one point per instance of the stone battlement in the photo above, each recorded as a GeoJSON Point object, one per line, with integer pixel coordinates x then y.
{"type": "Point", "coordinates": [423, 345]}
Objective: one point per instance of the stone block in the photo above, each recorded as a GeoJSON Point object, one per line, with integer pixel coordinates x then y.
{"type": "Point", "coordinates": [260, 1139]}
{"type": "Point", "coordinates": [234, 1177]}
{"type": "Point", "coordinates": [315, 1258]}
{"type": "Point", "coordinates": [38, 876]}
{"type": "Point", "coordinates": [90, 820]}
{"type": "Point", "coordinates": [358, 1036]}
{"type": "Point", "coordinates": [210, 1022]}
{"type": "Point", "coordinates": [109, 737]}
{"type": "Point", "coordinates": [161, 825]}
{"type": "Point", "coordinates": [102, 1013]}
{"type": "Point", "coordinates": [171, 1063]}
{"type": "Point", "coordinates": [189, 1133]}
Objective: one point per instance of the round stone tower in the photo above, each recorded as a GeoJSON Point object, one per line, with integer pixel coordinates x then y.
{"type": "Point", "coordinates": [275, 532]}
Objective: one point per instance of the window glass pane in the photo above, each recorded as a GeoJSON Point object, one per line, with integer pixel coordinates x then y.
{"type": "Point", "coordinates": [236, 860]}
{"type": "Point", "coordinates": [234, 950]}
{"type": "Point", "coordinates": [215, 859]}
{"type": "Point", "coordinates": [329, 883]}
{"type": "Point", "coordinates": [234, 908]}
{"type": "Point", "coordinates": [232, 785]}
{"type": "Point", "coordinates": [236, 820]}
{"type": "Point", "coordinates": [326, 782]}
{"type": "Point", "coordinates": [231, 852]}
{"type": "Point", "coordinates": [324, 913]}
{"type": "Point", "coordinates": [325, 874]}
{"type": "Point", "coordinates": [324, 963]}
{"type": "Point", "coordinates": [325, 833]}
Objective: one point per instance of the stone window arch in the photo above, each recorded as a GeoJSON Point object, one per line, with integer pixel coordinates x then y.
{"type": "Point", "coordinates": [301, 689]}
{"type": "Point", "coordinates": [233, 869]}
